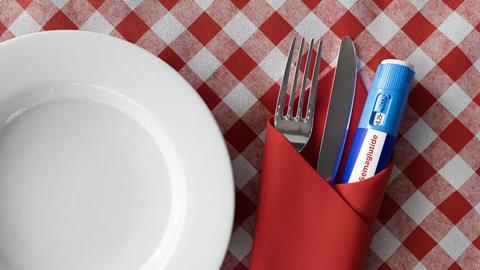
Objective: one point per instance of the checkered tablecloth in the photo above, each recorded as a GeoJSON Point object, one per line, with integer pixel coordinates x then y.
{"type": "Point", "coordinates": [233, 54]}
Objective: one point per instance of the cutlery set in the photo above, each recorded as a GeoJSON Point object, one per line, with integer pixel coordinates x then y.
{"type": "Point", "coordinates": [298, 129]}
{"type": "Point", "coordinates": [380, 121]}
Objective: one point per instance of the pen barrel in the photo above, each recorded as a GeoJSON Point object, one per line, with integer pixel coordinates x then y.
{"type": "Point", "coordinates": [380, 121]}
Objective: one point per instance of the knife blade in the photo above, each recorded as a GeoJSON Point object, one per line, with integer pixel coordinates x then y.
{"type": "Point", "coordinates": [339, 111]}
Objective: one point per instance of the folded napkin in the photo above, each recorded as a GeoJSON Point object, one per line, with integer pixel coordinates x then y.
{"type": "Point", "coordinates": [302, 221]}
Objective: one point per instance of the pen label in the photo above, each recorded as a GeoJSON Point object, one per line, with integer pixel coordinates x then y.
{"type": "Point", "coordinates": [368, 156]}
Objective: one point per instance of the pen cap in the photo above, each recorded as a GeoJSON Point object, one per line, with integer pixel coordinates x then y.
{"type": "Point", "coordinates": [387, 97]}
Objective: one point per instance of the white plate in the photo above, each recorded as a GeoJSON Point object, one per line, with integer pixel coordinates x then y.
{"type": "Point", "coordinates": [109, 160]}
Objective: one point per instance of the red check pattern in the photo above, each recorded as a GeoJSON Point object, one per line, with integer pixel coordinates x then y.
{"type": "Point", "coordinates": [233, 53]}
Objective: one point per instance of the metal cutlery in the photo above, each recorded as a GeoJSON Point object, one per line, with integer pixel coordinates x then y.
{"type": "Point", "coordinates": [339, 111]}
{"type": "Point", "coordinates": [296, 128]}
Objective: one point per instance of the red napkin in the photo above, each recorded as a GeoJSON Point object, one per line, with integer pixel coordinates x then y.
{"type": "Point", "coordinates": [302, 221]}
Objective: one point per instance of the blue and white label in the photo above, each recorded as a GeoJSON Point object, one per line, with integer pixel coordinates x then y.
{"type": "Point", "coordinates": [368, 156]}
{"type": "Point", "coordinates": [370, 153]}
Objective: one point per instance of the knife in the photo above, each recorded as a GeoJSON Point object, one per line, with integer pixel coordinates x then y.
{"type": "Point", "coordinates": [339, 111]}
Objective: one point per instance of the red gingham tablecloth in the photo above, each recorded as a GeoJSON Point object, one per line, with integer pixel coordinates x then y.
{"type": "Point", "coordinates": [233, 54]}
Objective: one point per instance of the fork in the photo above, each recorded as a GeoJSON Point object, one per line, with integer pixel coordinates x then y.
{"type": "Point", "coordinates": [297, 129]}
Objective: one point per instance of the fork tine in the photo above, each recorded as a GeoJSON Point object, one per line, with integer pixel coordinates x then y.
{"type": "Point", "coordinates": [291, 101]}
{"type": "Point", "coordinates": [304, 82]}
{"type": "Point", "coordinates": [312, 97]}
{"type": "Point", "coordinates": [283, 86]}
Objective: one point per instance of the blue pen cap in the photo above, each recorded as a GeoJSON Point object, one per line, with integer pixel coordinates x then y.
{"type": "Point", "coordinates": [387, 97]}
